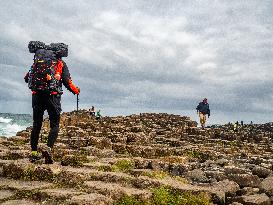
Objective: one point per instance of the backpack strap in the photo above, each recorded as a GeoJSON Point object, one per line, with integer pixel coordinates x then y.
{"type": "Point", "coordinates": [58, 69]}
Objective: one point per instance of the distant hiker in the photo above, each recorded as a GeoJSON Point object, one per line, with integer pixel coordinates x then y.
{"type": "Point", "coordinates": [92, 111]}
{"type": "Point", "coordinates": [251, 127]}
{"type": "Point", "coordinates": [98, 115]}
{"type": "Point", "coordinates": [230, 126]}
{"type": "Point", "coordinates": [203, 110]}
{"type": "Point", "coordinates": [242, 123]}
{"type": "Point", "coordinates": [236, 127]}
{"type": "Point", "coordinates": [45, 78]}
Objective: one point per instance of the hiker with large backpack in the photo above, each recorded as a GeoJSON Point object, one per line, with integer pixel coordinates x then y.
{"type": "Point", "coordinates": [45, 78]}
{"type": "Point", "coordinates": [203, 110]}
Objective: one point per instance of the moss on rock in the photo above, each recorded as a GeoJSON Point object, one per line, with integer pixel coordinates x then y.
{"type": "Point", "coordinates": [165, 196]}
{"type": "Point", "coordinates": [74, 160]}
{"type": "Point", "coordinates": [123, 165]}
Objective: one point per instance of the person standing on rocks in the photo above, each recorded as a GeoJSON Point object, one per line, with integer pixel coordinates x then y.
{"type": "Point", "coordinates": [98, 115]}
{"type": "Point", "coordinates": [92, 111]}
{"type": "Point", "coordinates": [236, 126]}
{"type": "Point", "coordinates": [45, 79]}
{"type": "Point", "coordinates": [203, 110]}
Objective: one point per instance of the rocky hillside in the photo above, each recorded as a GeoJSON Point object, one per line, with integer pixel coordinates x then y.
{"type": "Point", "coordinates": [140, 159]}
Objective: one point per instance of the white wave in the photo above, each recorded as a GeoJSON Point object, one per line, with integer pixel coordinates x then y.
{"type": "Point", "coordinates": [12, 129]}
{"type": "Point", "coordinates": [5, 120]}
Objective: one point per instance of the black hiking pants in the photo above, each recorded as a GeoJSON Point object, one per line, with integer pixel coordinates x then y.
{"type": "Point", "coordinates": [40, 103]}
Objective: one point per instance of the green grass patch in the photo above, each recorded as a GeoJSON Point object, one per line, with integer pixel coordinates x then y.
{"type": "Point", "coordinates": [105, 168]}
{"type": "Point", "coordinates": [28, 194]}
{"type": "Point", "coordinates": [28, 174]}
{"type": "Point", "coordinates": [74, 160]}
{"type": "Point", "coordinates": [156, 174]}
{"type": "Point", "coordinates": [165, 196]}
{"type": "Point", "coordinates": [123, 165]}
{"type": "Point", "coordinates": [20, 142]}
{"type": "Point", "coordinates": [197, 155]}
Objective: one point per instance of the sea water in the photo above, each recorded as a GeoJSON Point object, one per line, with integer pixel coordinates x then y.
{"type": "Point", "coordinates": [10, 124]}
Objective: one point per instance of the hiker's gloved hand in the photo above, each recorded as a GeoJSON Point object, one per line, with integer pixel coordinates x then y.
{"type": "Point", "coordinates": [79, 90]}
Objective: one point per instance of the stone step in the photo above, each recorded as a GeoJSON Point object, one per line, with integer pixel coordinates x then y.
{"type": "Point", "coordinates": [21, 169]}
{"type": "Point", "coordinates": [90, 199]}
{"type": "Point", "coordinates": [172, 142]}
{"type": "Point", "coordinates": [41, 196]}
{"type": "Point", "coordinates": [151, 151]}
{"type": "Point", "coordinates": [101, 153]}
{"type": "Point", "coordinates": [75, 176]}
{"type": "Point", "coordinates": [140, 172]}
{"type": "Point", "coordinates": [5, 194]}
{"type": "Point", "coordinates": [14, 154]}
{"type": "Point", "coordinates": [21, 185]}
{"type": "Point", "coordinates": [115, 190]}
{"type": "Point", "coordinates": [18, 168]}
{"type": "Point", "coordinates": [59, 194]}
{"type": "Point", "coordinates": [98, 165]}
{"type": "Point", "coordinates": [21, 202]}
{"type": "Point", "coordinates": [112, 190]}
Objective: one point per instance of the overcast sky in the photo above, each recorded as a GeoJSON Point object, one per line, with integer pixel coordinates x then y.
{"type": "Point", "coordinates": [132, 56]}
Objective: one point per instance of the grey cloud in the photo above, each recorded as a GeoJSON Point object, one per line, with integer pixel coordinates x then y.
{"type": "Point", "coordinates": [149, 55]}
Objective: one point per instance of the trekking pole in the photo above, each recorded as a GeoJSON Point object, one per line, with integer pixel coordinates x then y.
{"type": "Point", "coordinates": [77, 103]}
{"type": "Point", "coordinates": [77, 121]}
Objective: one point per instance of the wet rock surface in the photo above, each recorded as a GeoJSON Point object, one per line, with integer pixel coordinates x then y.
{"type": "Point", "coordinates": [103, 161]}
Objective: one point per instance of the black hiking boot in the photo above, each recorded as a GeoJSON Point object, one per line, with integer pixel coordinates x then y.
{"type": "Point", "coordinates": [34, 158]}
{"type": "Point", "coordinates": [47, 154]}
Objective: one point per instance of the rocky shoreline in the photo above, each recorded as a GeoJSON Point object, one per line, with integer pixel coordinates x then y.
{"type": "Point", "coordinates": [140, 159]}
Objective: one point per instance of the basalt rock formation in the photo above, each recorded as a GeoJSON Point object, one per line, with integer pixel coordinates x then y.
{"type": "Point", "coordinates": [140, 159]}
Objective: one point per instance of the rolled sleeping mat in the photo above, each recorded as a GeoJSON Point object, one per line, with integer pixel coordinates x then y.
{"type": "Point", "coordinates": [33, 46]}
{"type": "Point", "coordinates": [60, 49]}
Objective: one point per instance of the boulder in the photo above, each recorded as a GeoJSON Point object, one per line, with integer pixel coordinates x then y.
{"type": "Point", "coordinates": [197, 175]}
{"type": "Point", "coordinates": [217, 175]}
{"type": "Point", "coordinates": [261, 172]}
{"type": "Point", "coordinates": [222, 162]}
{"type": "Point", "coordinates": [248, 191]}
{"type": "Point", "coordinates": [245, 180]}
{"type": "Point", "coordinates": [256, 199]}
{"type": "Point", "coordinates": [178, 169]}
{"type": "Point", "coordinates": [267, 186]}
{"type": "Point", "coordinates": [229, 187]}
{"type": "Point", "coordinates": [235, 170]}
